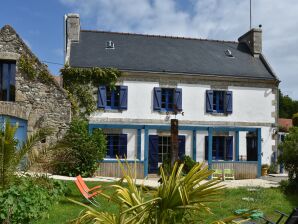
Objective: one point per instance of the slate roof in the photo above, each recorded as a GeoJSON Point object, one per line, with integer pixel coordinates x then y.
{"type": "Point", "coordinates": [137, 52]}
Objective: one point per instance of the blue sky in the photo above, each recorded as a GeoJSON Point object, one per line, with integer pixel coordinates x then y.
{"type": "Point", "coordinates": [40, 24]}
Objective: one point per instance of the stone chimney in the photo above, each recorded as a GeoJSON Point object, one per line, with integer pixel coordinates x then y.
{"type": "Point", "coordinates": [71, 32]}
{"type": "Point", "coordinates": [253, 39]}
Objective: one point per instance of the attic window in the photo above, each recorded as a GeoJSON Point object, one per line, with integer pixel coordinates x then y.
{"type": "Point", "coordinates": [229, 53]}
{"type": "Point", "coordinates": [110, 45]}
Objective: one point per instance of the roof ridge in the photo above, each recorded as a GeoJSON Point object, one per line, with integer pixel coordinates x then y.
{"type": "Point", "coordinates": [161, 36]}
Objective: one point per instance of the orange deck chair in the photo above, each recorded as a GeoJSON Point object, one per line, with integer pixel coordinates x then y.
{"type": "Point", "coordinates": [88, 196]}
{"type": "Point", "coordinates": [85, 187]}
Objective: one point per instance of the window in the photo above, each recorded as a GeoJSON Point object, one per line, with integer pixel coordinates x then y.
{"type": "Point", "coordinates": [218, 101]}
{"type": "Point", "coordinates": [112, 99]}
{"type": "Point", "coordinates": [7, 80]}
{"type": "Point", "coordinates": [167, 99]}
{"type": "Point", "coordinates": [116, 145]}
{"type": "Point", "coordinates": [164, 147]}
{"type": "Point", "coordinates": [222, 148]}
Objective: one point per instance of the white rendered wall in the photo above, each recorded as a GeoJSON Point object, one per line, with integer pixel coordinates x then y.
{"type": "Point", "coordinates": [242, 144]}
{"type": "Point", "coordinates": [249, 104]}
{"type": "Point", "coordinates": [131, 143]}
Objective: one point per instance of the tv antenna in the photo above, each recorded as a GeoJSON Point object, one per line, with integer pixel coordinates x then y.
{"type": "Point", "coordinates": [249, 14]}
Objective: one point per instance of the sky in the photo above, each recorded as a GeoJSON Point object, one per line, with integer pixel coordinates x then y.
{"type": "Point", "coordinates": [40, 24]}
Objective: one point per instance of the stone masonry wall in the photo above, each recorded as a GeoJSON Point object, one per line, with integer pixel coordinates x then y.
{"type": "Point", "coordinates": [38, 103]}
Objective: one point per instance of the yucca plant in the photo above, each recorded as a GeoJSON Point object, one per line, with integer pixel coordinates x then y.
{"type": "Point", "coordinates": [11, 154]}
{"type": "Point", "coordinates": [171, 202]}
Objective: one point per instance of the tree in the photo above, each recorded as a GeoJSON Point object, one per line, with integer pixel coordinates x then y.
{"type": "Point", "coordinates": [287, 106]}
{"type": "Point", "coordinates": [79, 151]}
{"type": "Point", "coordinates": [11, 155]}
{"type": "Point", "coordinates": [290, 154]}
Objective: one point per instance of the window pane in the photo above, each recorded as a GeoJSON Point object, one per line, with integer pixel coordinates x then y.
{"type": "Point", "coordinates": [12, 88]}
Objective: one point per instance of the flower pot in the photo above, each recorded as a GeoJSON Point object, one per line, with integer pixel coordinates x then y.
{"type": "Point", "coordinates": [264, 171]}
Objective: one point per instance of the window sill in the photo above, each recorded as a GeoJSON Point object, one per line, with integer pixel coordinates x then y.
{"type": "Point", "coordinates": [110, 110]}
{"type": "Point", "coordinates": [219, 114]}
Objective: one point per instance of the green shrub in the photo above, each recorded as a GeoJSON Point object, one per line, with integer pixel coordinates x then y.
{"type": "Point", "coordinates": [79, 151]}
{"type": "Point", "coordinates": [29, 199]}
{"type": "Point", "coordinates": [290, 155]}
{"type": "Point", "coordinates": [189, 163]}
{"type": "Point", "coordinates": [272, 168]}
{"type": "Point", "coordinates": [289, 187]}
{"type": "Point", "coordinates": [295, 120]}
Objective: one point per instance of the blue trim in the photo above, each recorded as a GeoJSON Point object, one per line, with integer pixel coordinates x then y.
{"type": "Point", "coordinates": [146, 151]}
{"type": "Point", "coordinates": [121, 160]}
{"type": "Point", "coordinates": [237, 146]}
{"type": "Point", "coordinates": [210, 143]}
{"type": "Point", "coordinates": [139, 144]}
{"type": "Point", "coordinates": [259, 131]}
{"type": "Point", "coordinates": [250, 162]}
{"type": "Point", "coordinates": [167, 127]}
{"type": "Point", "coordinates": [194, 145]}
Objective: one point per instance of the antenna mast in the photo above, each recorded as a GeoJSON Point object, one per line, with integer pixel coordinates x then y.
{"type": "Point", "coordinates": [249, 14]}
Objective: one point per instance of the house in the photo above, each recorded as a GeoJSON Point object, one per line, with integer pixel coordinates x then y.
{"type": "Point", "coordinates": [25, 97]}
{"type": "Point", "coordinates": [226, 90]}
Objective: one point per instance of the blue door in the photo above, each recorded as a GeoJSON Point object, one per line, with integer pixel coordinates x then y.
{"type": "Point", "coordinates": [21, 133]}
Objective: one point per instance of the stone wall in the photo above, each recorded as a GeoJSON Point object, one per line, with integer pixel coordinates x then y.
{"type": "Point", "coordinates": [41, 104]}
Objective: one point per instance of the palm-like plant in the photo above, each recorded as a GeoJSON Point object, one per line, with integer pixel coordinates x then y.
{"type": "Point", "coordinates": [171, 202]}
{"type": "Point", "coordinates": [11, 154]}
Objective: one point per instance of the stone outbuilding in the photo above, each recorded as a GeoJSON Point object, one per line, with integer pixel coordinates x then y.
{"type": "Point", "coordinates": [32, 100]}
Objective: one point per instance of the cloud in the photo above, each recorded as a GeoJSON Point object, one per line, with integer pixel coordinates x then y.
{"type": "Point", "coordinates": [214, 19]}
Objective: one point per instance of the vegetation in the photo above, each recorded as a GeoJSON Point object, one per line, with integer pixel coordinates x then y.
{"type": "Point", "coordinates": [29, 199]}
{"type": "Point", "coordinates": [189, 163]}
{"type": "Point", "coordinates": [287, 106]}
{"type": "Point", "coordinates": [81, 82]}
{"type": "Point", "coordinates": [13, 155]}
{"type": "Point", "coordinates": [34, 70]}
{"type": "Point", "coordinates": [290, 157]}
{"type": "Point", "coordinates": [266, 200]}
{"type": "Point", "coordinates": [79, 151]}
{"type": "Point", "coordinates": [295, 120]}
{"type": "Point", "coordinates": [174, 201]}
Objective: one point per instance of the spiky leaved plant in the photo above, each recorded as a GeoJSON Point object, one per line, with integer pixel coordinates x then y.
{"type": "Point", "coordinates": [11, 154]}
{"type": "Point", "coordinates": [171, 202]}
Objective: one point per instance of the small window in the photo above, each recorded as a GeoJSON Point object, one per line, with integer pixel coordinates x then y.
{"type": "Point", "coordinates": [7, 80]}
{"type": "Point", "coordinates": [167, 99]}
{"type": "Point", "coordinates": [218, 101]}
{"type": "Point", "coordinates": [116, 145]}
{"type": "Point", "coordinates": [113, 98]}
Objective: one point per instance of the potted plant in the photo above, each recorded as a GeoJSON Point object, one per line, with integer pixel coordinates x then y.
{"type": "Point", "coordinates": [265, 168]}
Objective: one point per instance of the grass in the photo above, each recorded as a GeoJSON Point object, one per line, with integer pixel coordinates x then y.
{"type": "Point", "coordinates": [266, 200]}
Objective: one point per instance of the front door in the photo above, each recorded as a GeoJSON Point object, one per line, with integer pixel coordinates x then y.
{"type": "Point", "coordinates": [159, 150]}
{"type": "Point", "coordinates": [252, 148]}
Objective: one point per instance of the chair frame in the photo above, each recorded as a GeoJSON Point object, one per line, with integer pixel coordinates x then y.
{"type": "Point", "coordinates": [88, 196]}
{"type": "Point", "coordinates": [282, 215]}
{"type": "Point", "coordinates": [230, 172]}
{"type": "Point", "coordinates": [84, 185]}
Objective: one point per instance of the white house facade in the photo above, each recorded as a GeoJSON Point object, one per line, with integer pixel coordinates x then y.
{"type": "Point", "coordinates": [225, 94]}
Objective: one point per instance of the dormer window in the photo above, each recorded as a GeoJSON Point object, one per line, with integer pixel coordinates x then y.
{"type": "Point", "coordinates": [110, 45]}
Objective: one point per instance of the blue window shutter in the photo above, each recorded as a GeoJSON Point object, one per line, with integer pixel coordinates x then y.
{"type": "Point", "coordinates": [209, 101]}
{"type": "Point", "coordinates": [153, 153]}
{"type": "Point", "coordinates": [157, 98]}
{"type": "Point", "coordinates": [181, 140]}
{"type": "Point", "coordinates": [123, 145]}
{"type": "Point", "coordinates": [206, 147]}
{"type": "Point", "coordinates": [123, 97]}
{"type": "Point", "coordinates": [102, 99]}
{"type": "Point", "coordinates": [178, 98]}
{"type": "Point", "coordinates": [229, 148]}
{"type": "Point", "coordinates": [229, 102]}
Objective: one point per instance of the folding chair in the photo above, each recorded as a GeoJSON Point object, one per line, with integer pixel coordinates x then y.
{"type": "Point", "coordinates": [90, 197]}
{"type": "Point", "coordinates": [292, 218]}
{"type": "Point", "coordinates": [217, 174]}
{"type": "Point", "coordinates": [229, 174]}
{"type": "Point", "coordinates": [85, 187]}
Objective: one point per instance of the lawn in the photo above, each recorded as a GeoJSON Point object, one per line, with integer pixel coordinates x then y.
{"type": "Point", "coordinates": [267, 200]}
